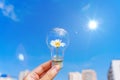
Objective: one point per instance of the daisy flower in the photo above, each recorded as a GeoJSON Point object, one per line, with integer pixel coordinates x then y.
{"type": "Point", "coordinates": [57, 43]}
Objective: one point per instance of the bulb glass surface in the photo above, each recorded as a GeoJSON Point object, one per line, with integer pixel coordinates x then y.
{"type": "Point", "coordinates": [57, 41]}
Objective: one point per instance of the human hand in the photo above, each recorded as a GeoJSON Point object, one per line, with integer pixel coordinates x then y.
{"type": "Point", "coordinates": [43, 72]}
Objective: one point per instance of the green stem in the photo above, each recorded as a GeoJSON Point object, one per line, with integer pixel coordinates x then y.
{"type": "Point", "coordinates": [57, 52]}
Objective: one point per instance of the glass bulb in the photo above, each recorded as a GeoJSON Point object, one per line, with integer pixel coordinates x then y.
{"type": "Point", "coordinates": [57, 41]}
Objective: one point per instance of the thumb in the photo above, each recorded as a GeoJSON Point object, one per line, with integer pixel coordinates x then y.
{"type": "Point", "coordinates": [51, 73]}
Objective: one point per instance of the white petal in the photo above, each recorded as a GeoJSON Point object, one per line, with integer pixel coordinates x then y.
{"type": "Point", "coordinates": [52, 43]}
{"type": "Point", "coordinates": [57, 40]}
{"type": "Point", "coordinates": [62, 44]}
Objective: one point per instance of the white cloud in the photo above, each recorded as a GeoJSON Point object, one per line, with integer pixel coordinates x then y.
{"type": "Point", "coordinates": [8, 10]}
{"type": "Point", "coordinates": [86, 7]}
{"type": "Point", "coordinates": [60, 31]}
{"type": "Point", "coordinates": [21, 53]}
{"type": "Point", "coordinates": [21, 57]}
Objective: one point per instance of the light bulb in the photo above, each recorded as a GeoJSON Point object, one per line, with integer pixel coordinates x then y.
{"type": "Point", "coordinates": [57, 41]}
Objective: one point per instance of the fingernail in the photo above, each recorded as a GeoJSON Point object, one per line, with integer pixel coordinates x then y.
{"type": "Point", "coordinates": [56, 68]}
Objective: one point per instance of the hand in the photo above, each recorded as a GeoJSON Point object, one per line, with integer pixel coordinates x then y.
{"type": "Point", "coordinates": [43, 72]}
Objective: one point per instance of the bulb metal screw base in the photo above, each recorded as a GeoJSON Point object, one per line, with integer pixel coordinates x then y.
{"type": "Point", "coordinates": [57, 61]}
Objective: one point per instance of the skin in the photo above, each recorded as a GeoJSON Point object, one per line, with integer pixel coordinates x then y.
{"type": "Point", "coordinates": [43, 72]}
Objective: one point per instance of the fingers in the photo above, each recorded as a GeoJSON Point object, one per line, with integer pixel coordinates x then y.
{"type": "Point", "coordinates": [51, 73]}
{"type": "Point", "coordinates": [42, 68]}
{"type": "Point", "coordinates": [36, 73]}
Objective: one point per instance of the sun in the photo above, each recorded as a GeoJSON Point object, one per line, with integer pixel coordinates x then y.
{"type": "Point", "coordinates": [93, 25]}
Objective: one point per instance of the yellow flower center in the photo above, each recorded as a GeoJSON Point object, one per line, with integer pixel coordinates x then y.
{"type": "Point", "coordinates": [57, 44]}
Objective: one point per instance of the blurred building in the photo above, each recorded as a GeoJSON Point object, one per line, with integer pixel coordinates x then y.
{"type": "Point", "coordinates": [85, 75]}
{"type": "Point", "coordinates": [22, 74]}
{"type": "Point", "coordinates": [75, 76]}
{"type": "Point", "coordinates": [89, 75]}
{"type": "Point", "coordinates": [6, 77]}
{"type": "Point", "coordinates": [114, 71]}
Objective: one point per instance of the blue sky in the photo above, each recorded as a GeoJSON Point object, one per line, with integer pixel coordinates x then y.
{"type": "Point", "coordinates": [24, 25]}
